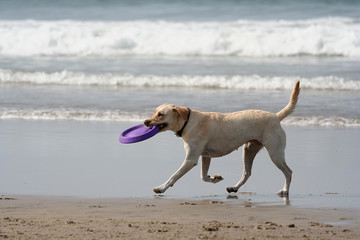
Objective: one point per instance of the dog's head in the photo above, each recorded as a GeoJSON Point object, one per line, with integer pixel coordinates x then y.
{"type": "Point", "coordinates": [168, 117]}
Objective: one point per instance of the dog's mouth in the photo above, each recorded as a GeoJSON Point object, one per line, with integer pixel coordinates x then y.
{"type": "Point", "coordinates": [161, 126]}
{"type": "Point", "coordinates": [150, 124]}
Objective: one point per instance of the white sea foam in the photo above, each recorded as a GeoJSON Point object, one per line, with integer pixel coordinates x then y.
{"type": "Point", "coordinates": [315, 37]}
{"type": "Point", "coordinates": [116, 116]}
{"type": "Point", "coordinates": [321, 121]}
{"type": "Point", "coordinates": [69, 114]}
{"type": "Point", "coordinates": [251, 82]}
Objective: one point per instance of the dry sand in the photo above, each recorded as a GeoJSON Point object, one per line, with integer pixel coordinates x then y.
{"type": "Point", "coordinates": [27, 217]}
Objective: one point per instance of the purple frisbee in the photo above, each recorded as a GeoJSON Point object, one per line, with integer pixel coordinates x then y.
{"type": "Point", "coordinates": [138, 133]}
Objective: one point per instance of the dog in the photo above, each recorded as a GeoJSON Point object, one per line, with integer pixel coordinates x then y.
{"type": "Point", "coordinates": [212, 134]}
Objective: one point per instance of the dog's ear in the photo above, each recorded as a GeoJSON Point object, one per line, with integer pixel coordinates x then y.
{"type": "Point", "coordinates": [182, 111]}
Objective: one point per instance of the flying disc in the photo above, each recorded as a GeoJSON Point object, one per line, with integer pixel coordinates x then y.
{"type": "Point", "coordinates": [138, 133]}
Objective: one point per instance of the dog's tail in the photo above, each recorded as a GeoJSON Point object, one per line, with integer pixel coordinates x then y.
{"type": "Point", "coordinates": [286, 111]}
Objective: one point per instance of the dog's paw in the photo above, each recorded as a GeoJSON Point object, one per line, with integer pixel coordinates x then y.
{"type": "Point", "coordinates": [217, 178]}
{"type": "Point", "coordinates": [158, 190]}
{"type": "Point", "coordinates": [283, 193]}
{"type": "Point", "coordinates": [231, 189]}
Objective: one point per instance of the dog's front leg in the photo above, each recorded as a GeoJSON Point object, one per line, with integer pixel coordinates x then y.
{"type": "Point", "coordinates": [205, 164]}
{"type": "Point", "coordinates": [185, 167]}
{"type": "Point", "coordinates": [191, 161]}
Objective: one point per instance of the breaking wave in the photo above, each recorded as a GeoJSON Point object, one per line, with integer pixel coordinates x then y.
{"type": "Point", "coordinates": [333, 36]}
{"type": "Point", "coordinates": [117, 116]}
{"type": "Point", "coordinates": [70, 114]}
{"type": "Point", "coordinates": [251, 82]}
{"type": "Point", "coordinates": [321, 122]}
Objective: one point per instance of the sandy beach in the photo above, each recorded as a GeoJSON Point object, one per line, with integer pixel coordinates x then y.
{"type": "Point", "coordinates": [36, 217]}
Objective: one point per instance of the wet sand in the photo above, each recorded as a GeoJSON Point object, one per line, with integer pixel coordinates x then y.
{"type": "Point", "coordinates": [31, 217]}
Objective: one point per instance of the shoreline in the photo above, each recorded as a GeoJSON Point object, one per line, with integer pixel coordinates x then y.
{"type": "Point", "coordinates": [43, 217]}
{"type": "Point", "coordinates": [113, 183]}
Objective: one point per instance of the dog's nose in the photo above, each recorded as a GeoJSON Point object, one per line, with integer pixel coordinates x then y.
{"type": "Point", "coordinates": [147, 122]}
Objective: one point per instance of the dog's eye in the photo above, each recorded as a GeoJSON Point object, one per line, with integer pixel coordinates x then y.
{"type": "Point", "coordinates": [160, 114]}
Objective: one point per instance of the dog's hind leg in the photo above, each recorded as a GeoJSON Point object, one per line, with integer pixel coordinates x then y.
{"type": "Point", "coordinates": [250, 150]}
{"type": "Point", "coordinates": [276, 150]}
{"type": "Point", "coordinates": [205, 164]}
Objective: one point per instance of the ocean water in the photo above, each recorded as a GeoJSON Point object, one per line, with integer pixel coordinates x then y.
{"type": "Point", "coordinates": [117, 60]}
{"type": "Point", "coordinates": [85, 159]}
{"type": "Point", "coordinates": [74, 74]}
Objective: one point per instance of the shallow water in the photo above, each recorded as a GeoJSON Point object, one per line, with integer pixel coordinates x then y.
{"type": "Point", "coordinates": [85, 159]}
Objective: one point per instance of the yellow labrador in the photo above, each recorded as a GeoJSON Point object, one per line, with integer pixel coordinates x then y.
{"type": "Point", "coordinates": [210, 134]}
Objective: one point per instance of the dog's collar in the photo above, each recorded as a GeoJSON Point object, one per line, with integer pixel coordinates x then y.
{"type": "Point", "coordinates": [180, 132]}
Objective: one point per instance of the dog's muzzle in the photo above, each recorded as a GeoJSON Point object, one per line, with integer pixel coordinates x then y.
{"type": "Point", "coordinates": [147, 122]}
{"type": "Point", "coordinates": [161, 126]}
